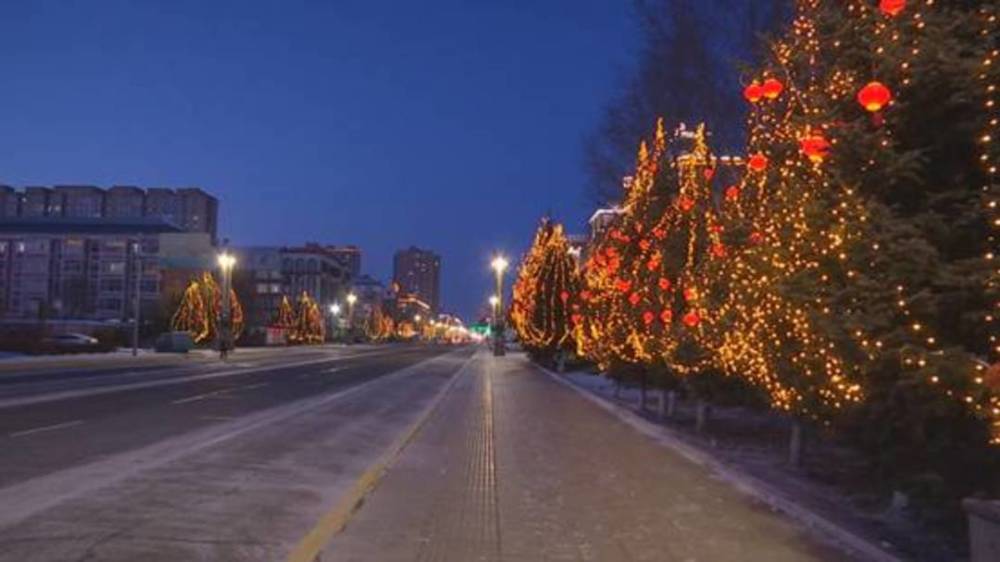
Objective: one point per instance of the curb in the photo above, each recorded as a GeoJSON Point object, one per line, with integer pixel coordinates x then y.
{"type": "Point", "coordinates": [754, 487]}
{"type": "Point", "coordinates": [310, 547]}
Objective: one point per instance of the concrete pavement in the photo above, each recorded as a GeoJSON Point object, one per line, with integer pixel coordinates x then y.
{"type": "Point", "coordinates": [513, 466]}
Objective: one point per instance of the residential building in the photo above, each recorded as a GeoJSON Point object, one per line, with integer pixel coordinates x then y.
{"type": "Point", "coordinates": [417, 273]}
{"type": "Point", "coordinates": [264, 275]}
{"type": "Point", "coordinates": [9, 202]}
{"type": "Point", "coordinates": [125, 202]}
{"type": "Point", "coordinates": [72, 251]}
{"type": "Point", "coordinates": [77, 201]}
{"type": "Point", "coordinates": [78, 267]}
{"type": "Point", "coordinates": [349, 256]}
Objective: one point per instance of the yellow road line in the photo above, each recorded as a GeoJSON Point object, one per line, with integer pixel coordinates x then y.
{"type": "Point", "coordinates": [334, 521]}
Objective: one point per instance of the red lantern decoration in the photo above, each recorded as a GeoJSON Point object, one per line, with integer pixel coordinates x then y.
{"type": "Point", "coordinates": [756, 238]}
{"type": "Point", "coordinates": [634, 298]}
{"type": "Point", "coordinates": [690, 294]}
{"type": "Point", "coordinates": [644, 245]}
{"type": "Point", "coordinates": [691, 319]}
{"type": "Point", "coordinates": [648, 317]}
{"type": "Point", "coordinates": [718, 250]}
{"type": "Point", "coordinates": [709, 173]}
{"type": "Point", "coordinates": [753, 92]}
{"type": "Point", "coordinates": [653, 265]}
{"type": "Point", "coordinates": [772, 88]}
{"type": "Point", "coordinates": [758, 162]}
{"type": "Point", "coordinates": [685, 203]}
{"type": "Point", "coordinates": [815, 147]}
{"type": "Point", "coordinates": [664, 284]}
{"type": "Point", "coordinates": [585, 295]}
{"type": "Point", "coordinates": [623, 285]}
{"type": "Point", "coordinates": [666, 316]}
{"type": "Point", "coordinates": [892, 8]}
{"type": "Point", "coordinates": [732, 193]}
{"type": "Point", "coordinates": [874, 96]}
{"type": "Point", "coordinates": [659, 233]}
{"type": "Point", "coordinates": [577, 319]}
{"type": "Point", "coordinates": [564, 296]}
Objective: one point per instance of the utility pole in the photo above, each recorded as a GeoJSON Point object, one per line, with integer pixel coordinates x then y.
{"type": "Point", "coordinates": [137, 301]}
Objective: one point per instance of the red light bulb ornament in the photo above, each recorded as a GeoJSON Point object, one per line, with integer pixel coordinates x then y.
{"type": "Point", "coordinates": [754, 92]}
{"type": "Point", "coordinates": [892, 8]}
{"type": "Point", "coordinates": [815, 147]}
{"type": "Point", "coordinates": [772, 88]}
{"type": "Point", "coordinates": [874, 96]}
{"type": "Point", "coordinates": [758, 162]}
{"type": "Point", "coordinates": [732, 193]}
{"type": "Point", "coordinates": [691, 319]}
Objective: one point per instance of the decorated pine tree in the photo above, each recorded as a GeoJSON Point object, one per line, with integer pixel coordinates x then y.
{"type": "Point", "coordinates": [866, 277]}
{"type": "Point", "coordinates": [201, 308]}
{"type": "Point", "coordinates": [615, 327]}
{"type": "Point", "coordinates": [546, 292]}
{"type": "Point", "coordinates": [192, 314]}
{"type": "Point", "coordinates": [284, 317]}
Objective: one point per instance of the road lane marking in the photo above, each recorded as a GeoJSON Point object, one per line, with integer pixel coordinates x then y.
{"type": "Point", "coordinates": [45, 428]}
{"type": "Point", "coordinates": [251, 386]}
{"type": "Point", "coordinates": [198, 397]}
{"type": "Point", "coordinates": [111, 389]}
{"type": "Point", "coordinates": [30, 497]}
{"type": "Point", "coordinates": [310, 548]}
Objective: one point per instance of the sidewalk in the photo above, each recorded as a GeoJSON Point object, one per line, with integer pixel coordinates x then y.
{"type": "Point", "coordinates": [514, 466]}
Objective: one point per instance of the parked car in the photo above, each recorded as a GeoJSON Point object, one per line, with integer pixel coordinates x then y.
{"type": "Point", "coordinates": [72, 342]}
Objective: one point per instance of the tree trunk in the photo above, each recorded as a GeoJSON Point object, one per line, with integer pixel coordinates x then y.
{"type": "Point", "coordinates": [796, 444]}
{"type": "Point", "coordinates": [561, 361]}
{"type": "Point", "coordinates": [618, 388]}
{"type": "Point", "coordinates": [661, 409]}
{"type": "Point", "coordinates": [671, 403]}
{"type": "Point", "coordinates": [701, 420]}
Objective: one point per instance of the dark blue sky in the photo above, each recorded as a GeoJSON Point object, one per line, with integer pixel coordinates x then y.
{"type": "Point", "coordinates": [450, 124]}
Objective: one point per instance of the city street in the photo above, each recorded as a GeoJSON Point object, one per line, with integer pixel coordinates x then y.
{"type": "Point", "coordinates": [368, 453]}
{"type": "Point", "coordinates": [204, 462]}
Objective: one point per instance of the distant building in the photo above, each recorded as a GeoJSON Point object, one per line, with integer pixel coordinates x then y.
{"type": "Point", "coordinates": [71, 252]}
{"type": "Point", "coordinates": [349, 256]}
{"type": "Point", "coordinates": [417, 274]}
{"type": "Point", "coordinates": [371, 294]}
{"type": "Point", "coordinates": [190, 208]}
{"type": "Point", "coordinates": [79, 267]}
{"type": "Point", "coordinates": [602, 219]}
{"type": "Point", "coordinates": [265, 275]}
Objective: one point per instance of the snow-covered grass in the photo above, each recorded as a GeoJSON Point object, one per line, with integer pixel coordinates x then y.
{"type": "Point", "coordinates": [832, 481]}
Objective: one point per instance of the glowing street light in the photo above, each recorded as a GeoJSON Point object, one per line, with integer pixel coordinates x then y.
{"type": "Point", "coordinates": [351, 299]}
{"type": "Point", "coordinates": [335, 309]}
{"type": "Point", "coordinates": [499, 265]}
{"type": "Point", "coordinates": [227, 262]}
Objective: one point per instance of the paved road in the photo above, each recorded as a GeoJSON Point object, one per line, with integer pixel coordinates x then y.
{"type": "Point", "coordinates": [513, 466]}
{"type": "Point", "coordinates": [199, 462]}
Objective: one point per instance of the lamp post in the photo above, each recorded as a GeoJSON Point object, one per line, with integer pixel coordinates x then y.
{"type": "Point", "coordinates": [351, 299]}
{"type": "Point", "coordinates": [334, 320]}
{"type": "Point", "coordinates": [494, 301]}
{"type": "Point", "coordinates": [499, 265]}
{"type": "Point", "coordinates": [226, 263]}
{"type": "Point", "coordinates": [137, 302]}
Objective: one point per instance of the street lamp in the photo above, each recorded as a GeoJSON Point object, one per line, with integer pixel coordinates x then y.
{"type": "Point", "coordinates": [351, 299]}
{"type": "Point", "coordinates": [226, 263]}
{"type": "Point", "coordinates": [499, 265]}
{"type": "Point", "coordinates": [334, 320]}
{"type": "Point", "coordinates": [494, 301]}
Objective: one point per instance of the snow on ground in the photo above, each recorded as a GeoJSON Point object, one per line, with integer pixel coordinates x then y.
{"type": "Point", "coordinates": [833, 480]}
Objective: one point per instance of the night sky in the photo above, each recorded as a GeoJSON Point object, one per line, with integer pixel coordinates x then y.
{"type": "Point", "coordinates": [449, 124]}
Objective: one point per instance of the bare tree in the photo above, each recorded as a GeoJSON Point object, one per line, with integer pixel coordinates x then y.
{"type": "Point", "coordinates": [686, 71]}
